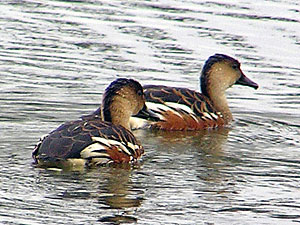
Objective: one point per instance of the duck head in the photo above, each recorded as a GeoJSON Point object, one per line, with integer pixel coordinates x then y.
{"type": "Point", "coordinates": [122, 99]}
{"type": "Point", "coordinates": [218, 74]}
{"type": "Point", "coordinates": [221, 72]}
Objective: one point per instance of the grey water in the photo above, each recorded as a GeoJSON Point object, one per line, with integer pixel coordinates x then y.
{"type": "Point", "coordinates": [57, 57]}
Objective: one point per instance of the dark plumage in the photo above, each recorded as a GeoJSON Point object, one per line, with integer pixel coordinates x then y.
{"type": "Point", "coordinates": [92, 141]}
{"type": "Point", "coordinates": [184, 109]}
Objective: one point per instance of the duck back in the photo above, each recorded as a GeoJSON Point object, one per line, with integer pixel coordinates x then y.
{"type": "Point", "coordinates": [180, 108]}
{"type": "Point", "coordinates": [93, 140]}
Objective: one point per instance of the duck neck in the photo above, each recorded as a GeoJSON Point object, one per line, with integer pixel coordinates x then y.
{"type": "Point", "coordinates": [219, 101]}
{"type": "Point", "coordinates": [215, 91]}
{"type": "Point", "coordinates": [116, 111]}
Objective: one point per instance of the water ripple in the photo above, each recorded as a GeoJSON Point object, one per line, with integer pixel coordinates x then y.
{"type": "Point", "coordinates": [57, 57]}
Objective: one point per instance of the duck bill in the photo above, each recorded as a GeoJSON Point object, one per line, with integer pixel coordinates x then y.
{"type": "Point", "coordinates": [147, 114]}
{"type": "Point", "coordinates": [246, 82]}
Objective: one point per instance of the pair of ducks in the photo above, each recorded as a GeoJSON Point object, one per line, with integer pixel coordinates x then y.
{"type": "Point", "coordinates": [105, 137]}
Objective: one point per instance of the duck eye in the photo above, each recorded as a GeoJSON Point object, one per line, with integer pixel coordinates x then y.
{"type": "Point", "coordinates": [140, 93]}
{"type": "Point", "coordinates": [235, 67]}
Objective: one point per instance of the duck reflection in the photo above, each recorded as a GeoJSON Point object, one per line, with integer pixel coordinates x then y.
{"type": "Point", "coordinates": [116, 196]}
{"type": "Point", "coordinates": [116, 192]}
{"type": "Point", "coordinates": [199, 152]}
{"type": "Point", "coordinates": [204, 141]}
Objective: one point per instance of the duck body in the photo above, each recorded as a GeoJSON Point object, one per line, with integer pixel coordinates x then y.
{"type": "Point", "coordinates": [99, 138]}
{"type": "Point", "coordinates": [185, 109]}
{"type": "Point", "coordinates": [180, 109]}
{"type": "Point", "coordinates": [88, 142]}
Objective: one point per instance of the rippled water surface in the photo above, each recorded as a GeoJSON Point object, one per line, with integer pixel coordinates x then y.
{"type": "Point", "coordinates": [57, 57]}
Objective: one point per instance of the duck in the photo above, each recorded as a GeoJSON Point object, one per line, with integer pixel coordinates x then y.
{"type": "Point", "coordinates": [184, 109]}
{"type": "Point", "coordinates": [101, 138]}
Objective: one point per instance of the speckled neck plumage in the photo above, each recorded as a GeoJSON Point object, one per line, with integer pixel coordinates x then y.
{"type": "Point", "coordinates": [121, 100]}
{"type": "Point", "coordinates": [219, 101]}
{"type": "Point", "coordinates": [115, 110]}
{"type": "Point", "coordinates": [214, 87]}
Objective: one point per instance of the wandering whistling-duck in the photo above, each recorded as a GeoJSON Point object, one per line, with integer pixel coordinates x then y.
{"type": "Point", "coordinates": [97, 139]}
{"type": "Point", "coordinates": [184, 109]}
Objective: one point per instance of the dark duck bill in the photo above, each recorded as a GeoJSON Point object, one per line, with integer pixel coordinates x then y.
{"type": "Point", "coordinates": [245, 81]}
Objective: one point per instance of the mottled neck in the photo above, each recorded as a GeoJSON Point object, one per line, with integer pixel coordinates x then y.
{"type": "Point", "coordinates": [117, 112]}
{"type": "Point", "coordinates": [214, 89]}
{"type": "Point", "coordinates": [220, 103]}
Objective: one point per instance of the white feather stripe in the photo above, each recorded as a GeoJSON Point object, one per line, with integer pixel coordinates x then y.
{"type": "Point", "coordinates": [214, 116]}
{"type": "Point", "coordinates": [110, 143]}
{"type": "Point", "coordinates": [160, 108]}
{"type": "Point", "coordinates": [132, 146]}
{"type": "Point", "coordinates": [181, 106]}
{"type": "Point", "coordinates": [101, 140]}
{"type": "Point", "coordinates": [185, 108]}
{"type": "Point", "coordinates": [194, 117]}
{"type": "Point", "coordinates": [207, 115]}
{"type": "Point", "coordinates": [174, 105]}
{"type": "Point", "coordinates": [90, 151]}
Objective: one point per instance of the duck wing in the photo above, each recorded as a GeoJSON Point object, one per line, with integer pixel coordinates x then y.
{"type": "Point", "coordinates": [178, 109]}
{"type": "Point", "coordinates": [93, 140]}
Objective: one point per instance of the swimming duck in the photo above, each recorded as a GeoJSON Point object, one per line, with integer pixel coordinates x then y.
{"type": "Point", "coordinates": [99, 138]}
{"type": "Point", "coordinates": [185, 109]}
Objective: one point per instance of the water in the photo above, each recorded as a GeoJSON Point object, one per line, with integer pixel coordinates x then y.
{"type": "Point", "coordinates": [56, 58]}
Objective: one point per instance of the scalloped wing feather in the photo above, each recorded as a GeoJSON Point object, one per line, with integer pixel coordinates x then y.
{"type": "Point", "coordinates": [179, 109]}
{"type": "Point", "coordinates": [94, 140]}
